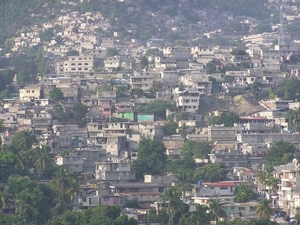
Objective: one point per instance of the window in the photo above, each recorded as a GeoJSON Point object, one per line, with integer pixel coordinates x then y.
{"type": "Point", "coordinates": [223, 188]}
{"type": "Point", "coordinates": [242, 208]}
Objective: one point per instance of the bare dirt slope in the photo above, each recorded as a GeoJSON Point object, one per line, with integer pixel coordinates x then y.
{"type": "Point", "coordinates": [246, 105]}
{"type": "Point", "coordinates": [243, 105]}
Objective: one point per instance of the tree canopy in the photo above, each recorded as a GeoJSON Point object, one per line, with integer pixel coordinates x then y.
{"type": "Point", "coordinates": [282, 152]}
{"type": "Point", "coordinates": [197, 149]}
{"type": "Point", "coordinates": [151, 159]}
{"type": "Point", "coordinates": [211, 173]}
{"type": "Point", "coordinates": [226, 118]}
{"type": "Point", "coordinates": [159, 107]}
{"type": "Point", "coordinates": [244, 193]}
{"type": "Point", "coordinates": [56, 94]}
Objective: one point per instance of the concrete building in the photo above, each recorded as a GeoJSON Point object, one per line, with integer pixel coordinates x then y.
{"type": "Point", "coordinates": [142, 81]}
{"type": "Point", "coordinates": [78, 64]}
{"type": "Point", "coordinates": [30, 93]}
{"type": "Point", "coordinates": [187, 100]}
{"type": "Point", "coordinates": [75, 163]}
{"type": "Point", "coordinates": [230, 160]}
{"type": "Point", "coordinates": [114, 170]}
{"type": "Point", "coordinates": [289, 187]}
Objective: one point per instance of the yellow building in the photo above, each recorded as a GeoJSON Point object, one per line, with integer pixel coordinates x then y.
{"type": "Point", "coordinates": [30, 93]}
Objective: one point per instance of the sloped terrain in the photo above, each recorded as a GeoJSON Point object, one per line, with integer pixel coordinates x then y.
{"type": "Point", "coordinates": [246, 105]}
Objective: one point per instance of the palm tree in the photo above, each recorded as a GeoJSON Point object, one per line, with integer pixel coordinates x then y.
{"type": "Point", "coordinates": [4, 198]}
{"type": "Point", "coordinates": [65, 184]}
{"type": "Point", "coordinates": [26, 209]}
{"type": "Point", "coordinates": [182, 182]}
{"type": "Point", "coordinates": [44, 159]}
{"type": "Point", "coordinates": [263, 209]}
{"type": "Point", "coordinates": [216, 210]}
{"type": "Point", "coordinates": [273, 182]}
{"type": "Point", "coordinates": [172, 196]}
{"type": "Point", "coordinates": [23, 140]}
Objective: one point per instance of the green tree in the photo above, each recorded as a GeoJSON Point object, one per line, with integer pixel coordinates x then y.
{"type": "Point", "coordinates": [228, 79]}
{"type": "Point", "coordinates": [44, 159]}
{"type": "Point", "coordinates": [151, 158]}
{"type": "Point", "coordinates": [181, 116]}
{"type": "Point", "coordinates": [19, 183]}
{"type": "Point", "coordinates": [144, 62]}
{"type": "Point", "coordinates": [5, 198]}
{"type": "Point", "coordinates": [122, 89]}
{"type": "Point", "coordinates": [75, 29]}
{"type": "Point", "coordinates": [65, 185]}
{"type": "Point", "coordinates": [7, 163]}
{"type": "Point", "coordinates": [170, 128]}
{"type": "Point", "coordinates": [197, 149]}
{"type": "Point", "coordinates": [80, 110]}
{"type": "Point", "coordinates": [56, 94]}
{"type": "Point", "coordinates": [200, 216]}
{"type": "Point", "coordinates": [111, 52]}
{"type": "Point", "coordinates": [226, 118]}
{"type": "Point", "coordinates": [244, 193]}
{"type": "Point", "coordinates": [172, 195]}
{"type": "Point", "coordinates": [281, 153]}
{"type": "Point", "coordinates": [238, 52]}
{"type": "Point", "coordinates": [177, 164]}
{"type": "Point", "coordinates": [23, 141]}
{"type": "Point", "coordinates": [216, 210]}
{"type": "Point", "coordinates": [293, 118]}
{"type": "Point", "coordinates": [60, 114]}
{"type": "Point", "coordinates": [132, 204]}
{"type": "Point", "coordinates": [182, 182]}
{"type": "Point", "coordinates": [211, 173]}
{"type": "Point", "coordinates": [290, 90]}
{"type": "Point", "coordinates": [25, 77]}
{"type": "Point", "coordinates": [264, 209]}
{"type": "Point", "coordinates": [59, 39]}
{"type": "Point", "coordinates": [159, 107]}
{"type": "Point", "coordinates": [263, 27]}
{"type": "Point", "coordinates": [136, 92]}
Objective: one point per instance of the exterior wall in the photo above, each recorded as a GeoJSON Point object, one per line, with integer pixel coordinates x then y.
{"type": "Point", "coordinates": [126, 115]}
{"type": "Point", "coordinates": [28, 94]}
{"type": "Point", "coordinates": [79, 64]}
{"type": "Point", "coordinates": [74, 163]}
{"type": "Point", "coordinates": [263, 138]}
{"type": "Point", "coordinates": [145, 118]}
{"type": "Point", "coordinates": [221, 134]}
{"type": "Point", "coordinates": [141, 81]}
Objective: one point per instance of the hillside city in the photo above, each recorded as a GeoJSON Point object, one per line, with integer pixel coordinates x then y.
{"type": "Point", "coordinates": [169, 113]}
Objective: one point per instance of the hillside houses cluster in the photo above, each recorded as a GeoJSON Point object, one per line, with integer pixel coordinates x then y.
{"type": "Point", "coordinates": [103, 149]}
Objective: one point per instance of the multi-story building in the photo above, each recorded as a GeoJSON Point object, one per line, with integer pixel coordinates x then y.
{"type": "Point", "coordinates": [230, 160]}
{"type": "Point", "coordinates": [289, 187]}
{"type": "Point", "coordinates": [114, 170]}
{"type": "Point", "coordinates": [142, 81]}
{"type": "Point", "coordinates": [187, 100]}
{"type": "Point", "coordinates": [75, 163]}
{"type": "Point", "coordinates": [77, 64]}
{"type": "Point", "coordinates": [30, 93]}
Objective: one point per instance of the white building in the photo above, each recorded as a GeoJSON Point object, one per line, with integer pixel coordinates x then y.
{"type": "Point", "coordinates": [79, 64]}
{"type": "Point", "coordinates": [289, 187]}
{"type": "Point", "coordinates": [187, 100]}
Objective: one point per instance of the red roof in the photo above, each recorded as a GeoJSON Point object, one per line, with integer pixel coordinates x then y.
{"type": "Point", "coordinates": [220, 184]}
